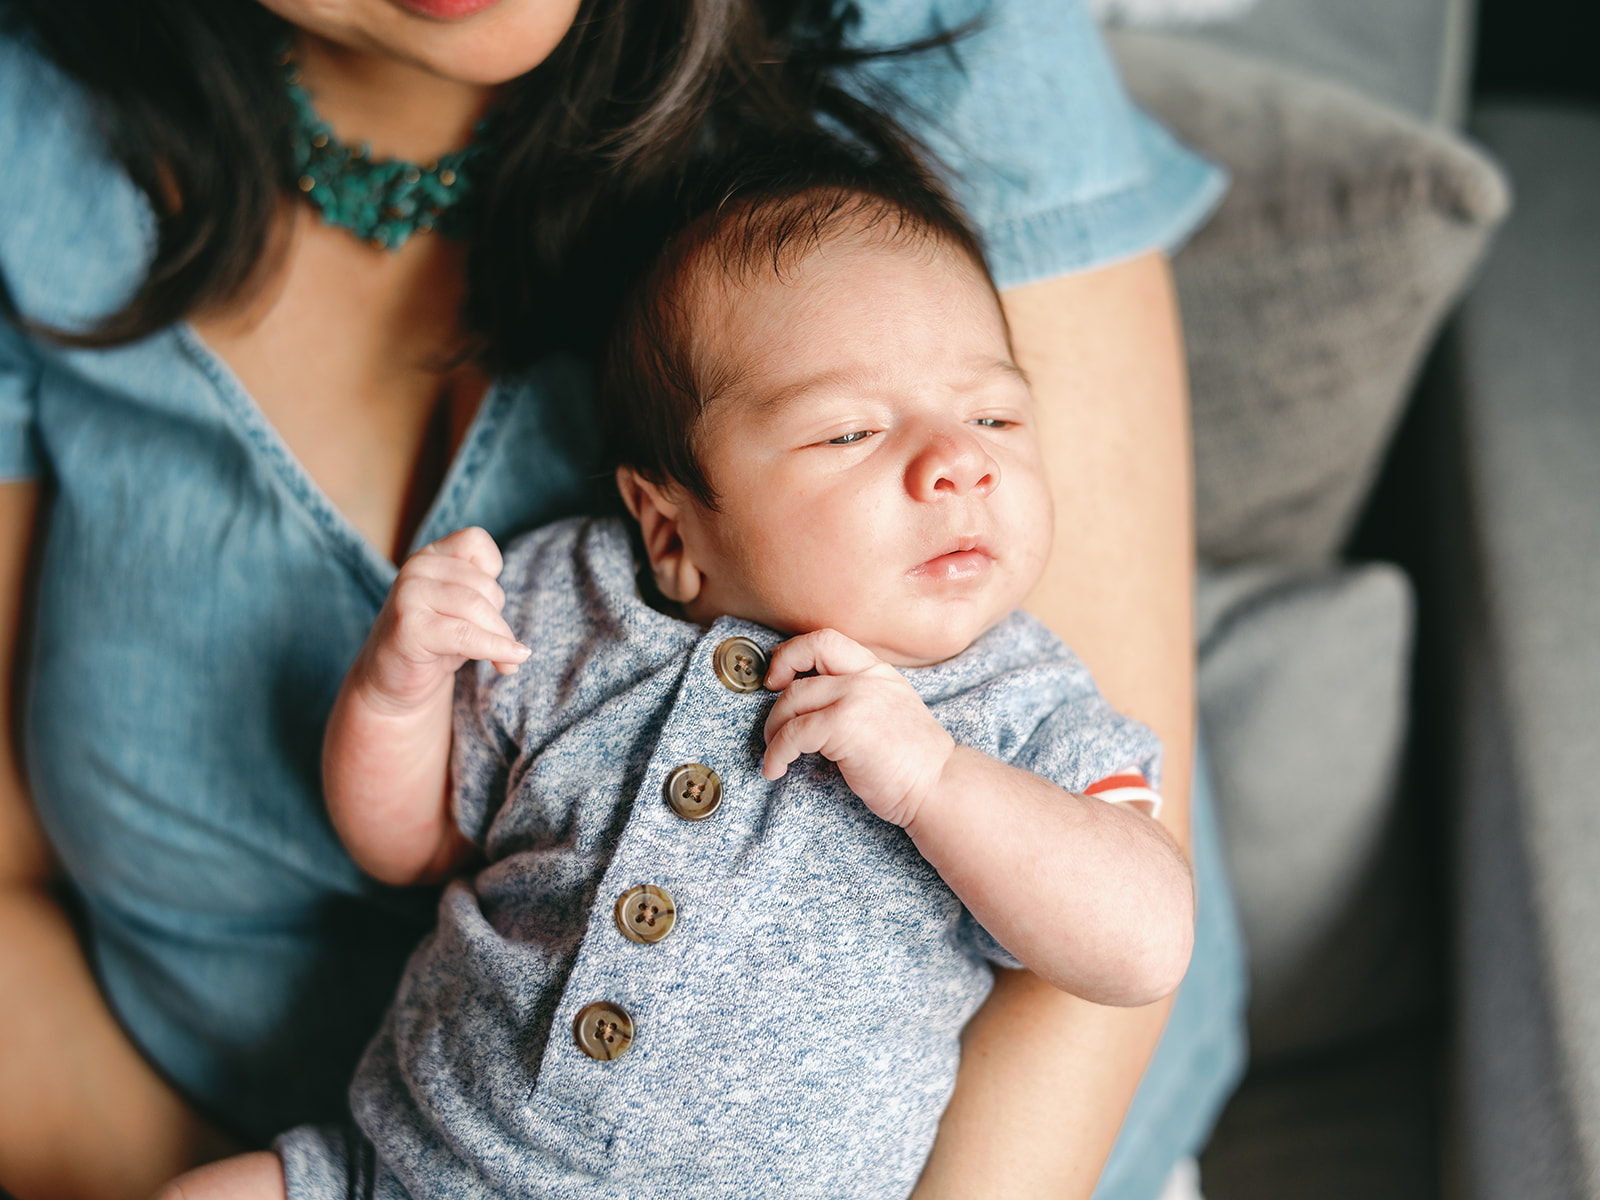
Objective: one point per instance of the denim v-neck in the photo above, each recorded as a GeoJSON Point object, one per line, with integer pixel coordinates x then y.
{"type": "Point", "coordinates": [267, 445]}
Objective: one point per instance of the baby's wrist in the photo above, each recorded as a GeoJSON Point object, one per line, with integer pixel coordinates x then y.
{"type": "Point", "coordinates": [923, 803]}
{"type": "Point", "coordinates": [395, 690]}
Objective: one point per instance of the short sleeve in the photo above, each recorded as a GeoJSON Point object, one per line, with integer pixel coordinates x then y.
{"type": "Point", "coordinates": [19, 388]}
{"type": "Point", "coordinates": [1054, 164]}
{"type": "Point", "coordinates": [1085, 744]}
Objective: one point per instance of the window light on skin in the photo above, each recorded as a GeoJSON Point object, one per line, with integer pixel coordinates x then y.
{"type": "Point", "coordinates": [875, 461]}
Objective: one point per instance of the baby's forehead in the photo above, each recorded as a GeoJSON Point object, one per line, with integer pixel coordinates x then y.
{"type": "Point", "coordinates": [761, 244]}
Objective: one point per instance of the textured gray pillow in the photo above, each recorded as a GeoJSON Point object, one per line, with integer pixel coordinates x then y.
{"type": "Point", "coordinates": [1313, 294]}
{"type": "Point", "coordinates": [1303, 696]}
{"type": "Point", "coordinates": [1413, 54]}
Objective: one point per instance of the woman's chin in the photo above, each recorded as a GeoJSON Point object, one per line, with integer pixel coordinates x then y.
{"type": "Point", "coordinates": [482, 43]}
{"type": "Point", "coordinates": [487, 45]}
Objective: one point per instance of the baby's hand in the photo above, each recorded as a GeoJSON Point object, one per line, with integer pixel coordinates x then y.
{"type": "Point", "coordinates": [861, 713]}
{"type": "Point", "coordinates": [443, 610]}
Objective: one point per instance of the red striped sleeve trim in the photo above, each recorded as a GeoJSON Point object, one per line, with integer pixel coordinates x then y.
{"type": "Point", "coordinates": [1126, 787]}
{"type": "Point", "coordinates": [1126, 779]}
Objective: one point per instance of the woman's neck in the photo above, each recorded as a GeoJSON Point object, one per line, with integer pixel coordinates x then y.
{"type": "Point", "coordinates": [401, 110]}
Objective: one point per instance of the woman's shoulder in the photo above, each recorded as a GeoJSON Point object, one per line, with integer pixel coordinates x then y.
{"type": "Point", "coordinates": [1056, 166]}
{"type": "Point", "coordinates": [75, 233]}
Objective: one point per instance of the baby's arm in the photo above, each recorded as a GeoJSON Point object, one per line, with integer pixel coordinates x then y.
{"type": "Point", "coordinates": [1093, 897]}
{"type": "Point", "coordinates": [386, 756]}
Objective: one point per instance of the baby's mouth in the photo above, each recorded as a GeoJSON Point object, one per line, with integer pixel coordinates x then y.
{"type": "Point", "coordinates": [967, 559]}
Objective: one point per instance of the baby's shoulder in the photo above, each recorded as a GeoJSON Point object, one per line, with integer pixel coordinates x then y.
{"type": "Point", "coordinates": [572, 597]}
{"type": "Point", "coordinates": [1017, 651]}
{"type": "Point", "coordinates": [995, 694]}
{"type": "Point", "coordinates": [567, 567]}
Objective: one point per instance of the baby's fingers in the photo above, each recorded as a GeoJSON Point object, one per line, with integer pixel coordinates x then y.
{"type": "Point", "coordinates": [825, 651]}
{"type": "Point", "coordinates": [473, 545]}
{"type": "Point", "coordinates": [807, 733]}
{"type": "Point", "coordinates": [452, 620]}
{"type": "Point", "coordinates": [443, 567]}
{"type": "Point", "coordinates": [803, 696]}
{"type": "Point", "coordinates": [457, 637]}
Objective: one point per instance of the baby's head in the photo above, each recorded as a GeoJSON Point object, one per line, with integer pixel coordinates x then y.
{"type": "Point", "coordinates": [819, 423]}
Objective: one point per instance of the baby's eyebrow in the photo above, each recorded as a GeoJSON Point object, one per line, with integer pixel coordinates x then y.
{"type": "Point", "coordinates": [771, 401]}
{"type": "Point", "coordinates": [1004, 366]}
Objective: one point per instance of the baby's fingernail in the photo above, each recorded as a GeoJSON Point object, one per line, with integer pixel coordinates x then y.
{"type": "Point", "coordinates": [523, 651]}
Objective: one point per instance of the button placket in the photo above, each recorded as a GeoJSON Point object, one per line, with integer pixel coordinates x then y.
{"type": "Point", "coordinates": [692, 791]}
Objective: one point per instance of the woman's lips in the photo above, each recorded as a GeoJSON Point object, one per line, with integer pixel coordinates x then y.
{"type": "Point", "coordinates": [445, 10]}
{"type": "Point", "coordinates": [956, 567]}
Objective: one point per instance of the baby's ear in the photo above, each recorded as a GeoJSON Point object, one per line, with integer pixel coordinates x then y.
{"type": "Point", "coordinates": [659, 511]}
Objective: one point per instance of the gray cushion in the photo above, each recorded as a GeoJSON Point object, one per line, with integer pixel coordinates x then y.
{"type": "Point", "coordinates": [1303, 696]}
{"type": "Point", "coordinates": [1415, 55]}
{"type": "Point", "coordinates": [1313, 294]}
{"type": "Point", "coordinates": [1529, 342]}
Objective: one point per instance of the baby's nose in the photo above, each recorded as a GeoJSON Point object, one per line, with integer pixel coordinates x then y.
{"type": "Point", "coordinates": [952, 464]}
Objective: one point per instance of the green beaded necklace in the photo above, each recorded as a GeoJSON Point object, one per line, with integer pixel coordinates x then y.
{"type": "Point", "coordinates": [383, 202]}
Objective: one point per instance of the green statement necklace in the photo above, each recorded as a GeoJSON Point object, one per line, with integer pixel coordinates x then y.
{"type": "Point", "coordinates": [383, 202]}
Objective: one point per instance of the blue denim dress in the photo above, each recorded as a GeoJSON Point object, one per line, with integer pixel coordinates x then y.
{"type": "Point", "coordinates": [200, 598]}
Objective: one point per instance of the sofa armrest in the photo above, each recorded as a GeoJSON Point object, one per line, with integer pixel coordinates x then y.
{"type": "Point", "coordinates": [1528, 889]}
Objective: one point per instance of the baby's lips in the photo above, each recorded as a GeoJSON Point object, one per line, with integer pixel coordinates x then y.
{"type": "Point", "coordinates": [955, 566]}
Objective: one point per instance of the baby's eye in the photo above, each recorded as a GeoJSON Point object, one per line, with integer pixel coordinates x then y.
{"type": "Point", "coordinates": [992, 422]}
{"type": "Point", "coordinates": [848, 439]}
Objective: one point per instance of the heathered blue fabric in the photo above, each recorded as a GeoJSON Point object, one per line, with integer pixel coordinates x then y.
{"type": "Point", "coordinates": [797, 1031]}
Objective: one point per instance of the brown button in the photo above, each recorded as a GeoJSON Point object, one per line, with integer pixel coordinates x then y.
{"type": "Point", "coordinates": [694, 791]}
{"type": "Point", "coordinates": [740, 664]}
{"type": "Point", "coordinates": [645, 914]}
{"type": "Point", "coordinates": [603, 1030]}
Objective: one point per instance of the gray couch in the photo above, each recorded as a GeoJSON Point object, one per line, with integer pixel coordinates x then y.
{"type": "Point", "coordinates": [1401, 749]}
{"type": "Point", "coordinates": [1524, 368]}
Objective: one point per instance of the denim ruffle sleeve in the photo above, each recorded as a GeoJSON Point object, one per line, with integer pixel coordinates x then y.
{"type": "Point", "coordinates": [1053, 163]}
{"type": "Point", "coordinates": [76, 235]}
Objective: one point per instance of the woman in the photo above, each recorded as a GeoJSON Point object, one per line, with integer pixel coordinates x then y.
{"type": "Point", "coordinates": [264, 411]}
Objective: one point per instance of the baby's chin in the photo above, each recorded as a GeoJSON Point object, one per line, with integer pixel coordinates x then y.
{"type": "Point", "coordinates": [921, 648]}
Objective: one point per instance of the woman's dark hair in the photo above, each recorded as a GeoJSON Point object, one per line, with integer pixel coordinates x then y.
{"type": "Point", "coordinates": [757, 218]}
{"type": "Point", "coordinates": [585, 147]}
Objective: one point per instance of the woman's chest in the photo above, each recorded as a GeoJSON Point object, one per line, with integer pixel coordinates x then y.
{"type": "Point", "coordinates": [354, 355]}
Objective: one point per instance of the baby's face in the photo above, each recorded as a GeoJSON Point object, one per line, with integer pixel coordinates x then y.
{"type": "Point", "coordinates": [876, 461]}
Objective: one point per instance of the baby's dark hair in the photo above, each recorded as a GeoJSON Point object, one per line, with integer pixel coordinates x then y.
{"type": "Point", "coordinates": [768, 215]}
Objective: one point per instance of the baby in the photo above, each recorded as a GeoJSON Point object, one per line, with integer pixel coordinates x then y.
{"type": "Point", "coordinates": [756, 788]}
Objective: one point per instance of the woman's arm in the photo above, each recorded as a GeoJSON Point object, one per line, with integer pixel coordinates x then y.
{"type": "Point", "coordinates": [81, 1113]}
{"type": "Point", "coordinates": [1045, 1077]}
